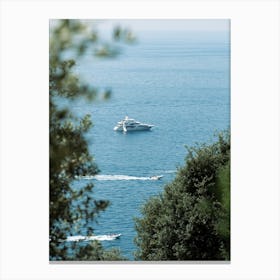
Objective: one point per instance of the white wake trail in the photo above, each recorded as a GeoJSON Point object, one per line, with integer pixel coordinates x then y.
{"type": "Point", "coordinates": [105, 237]}
{"type": "Point", "coordinates": [117, 178]}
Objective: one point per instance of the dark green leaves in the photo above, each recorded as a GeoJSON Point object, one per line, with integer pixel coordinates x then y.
{"type": "Point", "coordinates": [72, 211]}
{"type": "Point", "coordinates": [190, 220]}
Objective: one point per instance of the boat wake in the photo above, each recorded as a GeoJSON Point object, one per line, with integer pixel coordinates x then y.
{"type": "Point", "coordinates": [109, 237]}
{"type": "Point", "coordinates": [118, 178]}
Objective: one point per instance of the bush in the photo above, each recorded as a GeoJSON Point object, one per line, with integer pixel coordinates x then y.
{"type": "Point", "coordinates": [190, 219]}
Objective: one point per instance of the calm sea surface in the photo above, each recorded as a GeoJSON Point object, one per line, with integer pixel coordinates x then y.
{"type": "Point", "coordinates": [181, 84]}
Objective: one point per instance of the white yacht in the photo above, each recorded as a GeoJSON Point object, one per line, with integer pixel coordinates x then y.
{"type": "Point", "coordinates": [128, 124]}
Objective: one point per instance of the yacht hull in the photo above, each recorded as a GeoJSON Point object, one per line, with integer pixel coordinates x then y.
{"type": "Point", "coordinates": [128, 124]}
{"type": "Point", "coordinates": [138, 128]}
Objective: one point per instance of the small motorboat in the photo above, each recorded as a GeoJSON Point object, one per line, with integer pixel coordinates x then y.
{"type": "Point", "coordinates": [156, 177]}
{"type": "Point", "coordinates": [105, 237]}
{"type": "Point", "coordinates": [115, 235]}
{"type": "Point", "coordinates": [128, 124]}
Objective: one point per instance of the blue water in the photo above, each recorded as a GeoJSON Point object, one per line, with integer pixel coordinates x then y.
{"type": "Point", "coordinates": [180, 84]}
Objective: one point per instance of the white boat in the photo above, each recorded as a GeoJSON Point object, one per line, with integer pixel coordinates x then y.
{"type": "Point", "coordinates": [107, 237]}
{"type": "Point", "coordinates": [156, 177]}
{"type": "Point", "coordinates": [128, 124]}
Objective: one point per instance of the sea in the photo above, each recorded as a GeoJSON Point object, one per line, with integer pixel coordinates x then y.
{"type": "Point", "coordinates": [177, 81]}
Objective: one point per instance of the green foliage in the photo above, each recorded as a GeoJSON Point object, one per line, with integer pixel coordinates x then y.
{"type": "Point", "coordinates": [190, 219]}
{"type": "Point", "coordinates": [72, 210]}
{"type": "Point", "coordinates": [95, 252]}
{"type": "Point", "coordinates": [223, 195]}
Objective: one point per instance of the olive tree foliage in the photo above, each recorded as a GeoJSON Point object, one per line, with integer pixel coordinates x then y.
{"type": "Point", "coordinates": [73, 210]}
{"type": "Point", "coordinates": [190, 220]}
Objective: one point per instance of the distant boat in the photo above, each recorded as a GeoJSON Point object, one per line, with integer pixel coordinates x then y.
{"type": "Point", "coordinates": [156, 177]}
{"type": "Point", "coordinates": [128, 124]}
{"type": "Point", "coordinates": [107, 237]}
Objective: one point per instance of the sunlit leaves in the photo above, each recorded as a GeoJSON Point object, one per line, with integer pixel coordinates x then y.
{"type": "Point", "coordinates": [71, 39]}
{"type": "Point", "coordinates": [123, 34]}
{"type": "Point", "coordinates": [106, 51]}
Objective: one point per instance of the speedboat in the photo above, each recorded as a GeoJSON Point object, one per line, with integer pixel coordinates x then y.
{"type": "Point", "coordinates": [128, 124]}
{"type": "Point", "coordinates": [108, 237]}
{"type": "Point", "coordinates": [156, 177]}
{"type": "Point", "coordinates": [115, 235]}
